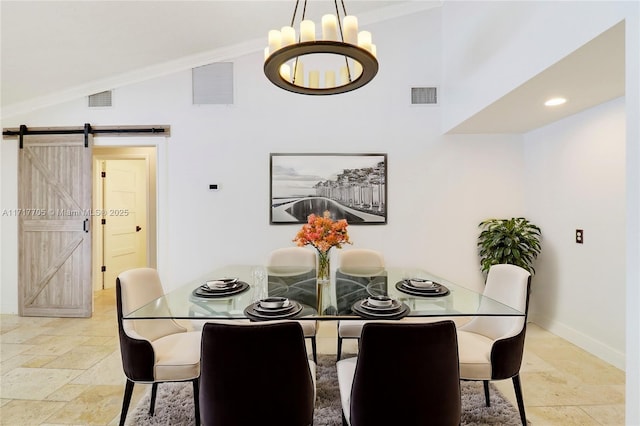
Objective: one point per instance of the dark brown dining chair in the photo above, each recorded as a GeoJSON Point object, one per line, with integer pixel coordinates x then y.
{"type": "Point", "coordinates": [405, 374]}
{"type": "Point", "coordinates": [256, 374]}
{"type": "Point", "coordinates": [153, 350]}
{"type": "Point", "coordinates": [491, 347]}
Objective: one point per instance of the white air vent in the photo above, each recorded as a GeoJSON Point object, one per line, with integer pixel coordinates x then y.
{"type": "Point", "coordinates": [424, 95]}
{"type": "Point", "coordinates": [213, 84]}
{"type": "Point", "coordinates": [102, 99]}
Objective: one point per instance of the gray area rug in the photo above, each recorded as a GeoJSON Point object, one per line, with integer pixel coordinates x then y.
{"type": "Point", "coordinates": [174, 405]}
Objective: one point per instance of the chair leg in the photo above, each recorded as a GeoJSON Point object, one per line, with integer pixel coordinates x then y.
{"type": "Point", "coordinates": [518, 389]}
{"type": "Point", "coordinates": [487, 400]}
{"type": "Point", "coordinates": [128, 391]}
{"type": "Point", "coordinates": [154, 392]}
{"type": "Point", "coordinates": [339, 350]}
{"type": "Point", "coordinates": [196, 399]}
{"type": "Point", "coordinates": [344, 419]}
{"type": "Point", "coordinates": [314, 349]}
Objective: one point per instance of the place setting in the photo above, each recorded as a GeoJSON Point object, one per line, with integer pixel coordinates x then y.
{"type": "Point", "coordinates": [272, 308]}
{"type": "Point", "coordinates": [221, 287]}
{"type": "Point", "coordinates": [380, 307]}
{"type": "Point", "coordinates": [421, 287]}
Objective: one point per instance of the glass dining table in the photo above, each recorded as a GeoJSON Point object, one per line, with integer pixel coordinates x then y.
{"type": "Point", "coordinates": [234, 292]}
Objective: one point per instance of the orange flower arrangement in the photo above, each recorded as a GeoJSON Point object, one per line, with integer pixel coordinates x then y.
{"type": "Point", "coordinates": [323, 233]}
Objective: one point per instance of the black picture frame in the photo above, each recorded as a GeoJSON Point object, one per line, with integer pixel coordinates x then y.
{"type": "Point", "coordinates": [349, 186]}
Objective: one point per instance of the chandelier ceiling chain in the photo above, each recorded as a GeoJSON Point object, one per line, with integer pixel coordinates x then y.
{"type": "Point", "coordinates": [344, 13]}
{"type": "Point", "coordinates": [340, 39]}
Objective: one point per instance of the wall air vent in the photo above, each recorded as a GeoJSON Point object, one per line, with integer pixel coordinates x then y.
{"type": "Point", "coordinates": [424, 95]}
{"type": "Point", "coordinates": [213, 84]}
{"type": "Point", "coordinates": [102, 99]}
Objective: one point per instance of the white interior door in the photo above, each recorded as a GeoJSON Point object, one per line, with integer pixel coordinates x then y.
{"type": "Point", "coordinates": [124, 217]}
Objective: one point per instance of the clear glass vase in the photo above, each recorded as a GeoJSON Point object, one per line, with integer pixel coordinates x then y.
{"type": "Point", "coordinates": [324, 266]}
{"type": "Point", "coordinates": [324, 276]}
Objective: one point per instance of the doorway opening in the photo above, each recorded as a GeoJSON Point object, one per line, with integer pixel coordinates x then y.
{"type": "Point", "coordinates": [124, 209]}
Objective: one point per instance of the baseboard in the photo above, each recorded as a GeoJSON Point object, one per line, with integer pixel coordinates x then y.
{"type": "Point", "coordinates": [6, 309]}
{"type": "Point", "coordinates": [583, 341]}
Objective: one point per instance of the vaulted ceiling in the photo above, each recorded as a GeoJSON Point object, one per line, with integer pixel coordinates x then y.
{"type": "Point", "coordinates": [53, 51]}
{"type": "Point", "coordinates": [63, 47]}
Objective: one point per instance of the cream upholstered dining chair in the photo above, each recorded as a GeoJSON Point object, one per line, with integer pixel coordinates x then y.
{"type": "Point", "coordinates": [256, 374]}
{"type": "Point", "coordinates": [292, 273]}
{"type": "Point", "coordinates": [153, 350]}
{"type": "Point", "coordinates": [404, 374]}
{"type": "Point", "coordinates": [356, 264]}
{"type": "Point", "coordinates": [491, 347]}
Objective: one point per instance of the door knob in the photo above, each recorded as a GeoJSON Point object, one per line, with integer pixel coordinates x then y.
{"type": "Point", "coordinates": [138, 229]}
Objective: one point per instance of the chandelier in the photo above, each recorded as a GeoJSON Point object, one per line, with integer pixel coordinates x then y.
{"type": "Point", "coordinates": [339, 61]}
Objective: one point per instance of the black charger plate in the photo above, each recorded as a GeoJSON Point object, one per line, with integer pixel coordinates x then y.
{"type": "Point", "coordinates": [438, 290]}
{"type": "Point", "coordinates": [207, 293]}
{"type": "Point", "coordinates": [259, 315]}
{"type": "Point", "coordinates": [400, 312]}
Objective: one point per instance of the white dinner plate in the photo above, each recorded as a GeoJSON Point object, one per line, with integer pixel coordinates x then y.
{"type": "Point", "coordinates": [206, 288]}
{"type": "Point", "coordinates": [395, 305]}
{"type": "Point", "coordinates": [272, 311]}
{"type": "Point", "coordinates": [396, 314]}
{"type": "Point", "coordinates": [220, 283]}
{"type": "Point", "coordinates": [204, 292]}
{"type": "Point", "coordinates": [416, 291]}
{"type": "Point", "coordinates": [251, 312]}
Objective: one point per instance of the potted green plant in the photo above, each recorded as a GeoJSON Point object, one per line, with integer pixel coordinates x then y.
{"type": "Point", "coordinates": [515, 241]}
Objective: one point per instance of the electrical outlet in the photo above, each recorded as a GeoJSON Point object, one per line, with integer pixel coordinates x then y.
{"type": "Point", "coordinates": [579, 236]}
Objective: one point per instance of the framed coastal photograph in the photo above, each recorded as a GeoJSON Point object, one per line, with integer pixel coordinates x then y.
{"type": "Point", "coordinates": [349, 186]}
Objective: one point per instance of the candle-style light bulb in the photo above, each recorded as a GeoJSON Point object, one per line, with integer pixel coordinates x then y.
{"type": "Point", "coordinates": [329, 79]}
{"type": "Point", "coordinates": [307, 30]}
{"type": "Point", "coordinates": [350, 27]}
{"type": "Point", "coordinates": [275, 41]}
{"type": "Point", "coordinates": [285, 72]}
{"type": "Point", "coordinates": [288, 36]}
{"type": "Point", "coordinates": [344, 75]}
{"type": "Point", "coordinates": [329, 28]}
{"type": "Point", "coordinates": [298, 73]}
{"type": "Point", "coordinates": [314, 79]}
{"type": "Point", "coordinates": [364, 40]}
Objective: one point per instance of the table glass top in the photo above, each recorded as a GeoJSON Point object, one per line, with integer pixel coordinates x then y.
{"type": "Point", "coordinates": [320, 300]}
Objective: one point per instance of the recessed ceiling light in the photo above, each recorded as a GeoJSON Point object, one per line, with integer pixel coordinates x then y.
{"type": "Point", "coordinates": [555, 101]}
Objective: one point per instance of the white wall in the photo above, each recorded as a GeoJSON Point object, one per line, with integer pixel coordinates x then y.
{"type": "Point", "coordinates": [492, 47]}
{"type": "Point", "coordinates": [438, 187]}
{"type": "Point", "coordinates": [632, 101]}
{"type": "Point", "coordinates": [8, 228]}
{"type": "Point", "coordinates": [575, 179]}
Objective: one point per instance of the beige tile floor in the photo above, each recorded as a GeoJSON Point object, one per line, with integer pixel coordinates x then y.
{"type": "Point", "coordinates": [60, 371]}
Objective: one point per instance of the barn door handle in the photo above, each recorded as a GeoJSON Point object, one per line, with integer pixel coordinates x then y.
{"type": "Point", "coordinates": [85, 225]}
{"type": "Point", "coordinates": [138, 229]}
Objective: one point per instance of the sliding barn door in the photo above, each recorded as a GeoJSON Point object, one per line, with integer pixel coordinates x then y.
{"type": "Point", "coordinates": [54, 208]}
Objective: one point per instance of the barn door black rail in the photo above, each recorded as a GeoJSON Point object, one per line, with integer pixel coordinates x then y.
{"type": "Point", "coordinates": [85, 130]}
